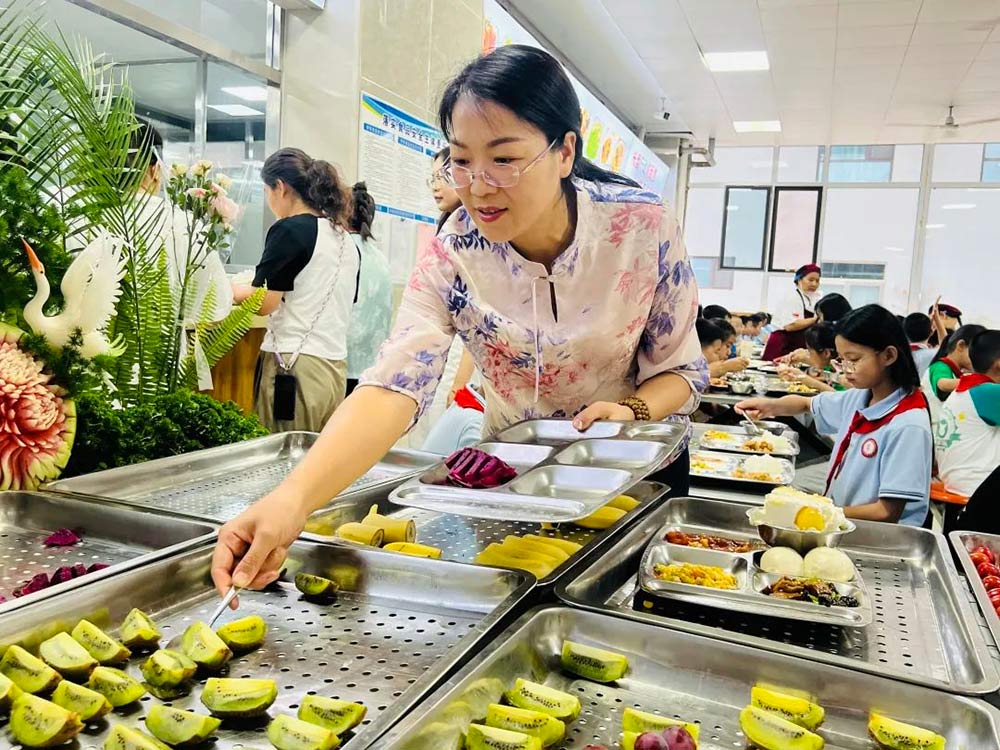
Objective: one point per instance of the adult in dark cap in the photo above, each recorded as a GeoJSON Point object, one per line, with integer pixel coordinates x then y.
{"type": "Point", "coordinates": [949, 315]}
{"type": "Point", "coordinates": [794, 314]}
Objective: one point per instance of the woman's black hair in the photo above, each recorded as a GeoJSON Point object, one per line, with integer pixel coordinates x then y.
{"type": "Point", "coordinates": [533, 85]}
{"type": "Point", "coordinates": [145, 146]}
{"type": "Point", "coordinates": [444, 154]}
{"type": "Point", "coordinates": [362, 211]}
{"type": "Point", "coordinates": [917, 327]}
{"type": "Point", "coordinates": [984, 351]}
{"type": "Point", "coordinates": [708, 331]}
{"type": "Point", "coordinates": [963, 333]}
{"type": "Point", "coordinates": [716, 311]}
{"type": "Point", "coordinates": [316, 181]}
{"type": "Point", "coordinates": [833, 306]}
{"type": "Point", "coordinates": [877, 328]}
{"type": "Point", "coordinates": [725, 325]}
{"type": "Point", "coordinates": [822, 337]}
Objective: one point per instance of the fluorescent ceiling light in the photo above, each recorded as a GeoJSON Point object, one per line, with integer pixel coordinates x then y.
{"type": "Point", "coordinates": [247, 93]}
{"type": "Point", "coordinates": [731, 62]}
{"type": "Point", "coordinates": [958, 206]}
{"type": "Point", "coordinates": [236, 110]}
{"type": "Point", "coordinates": [894, 249]}
{"type": "Point", "coordinates": [757, 126]}
{"type": "Point", "coordinates": [935, 226]}
{"type": "Point", "coordinates": [732, 208]}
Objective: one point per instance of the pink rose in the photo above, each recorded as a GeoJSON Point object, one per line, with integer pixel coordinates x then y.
{"type": "Point", "coordinates": [225, 208]}
{"type": "Point", "coordinates": [217, 188]}
{"type": "Point", "coordinates": [197, 192]}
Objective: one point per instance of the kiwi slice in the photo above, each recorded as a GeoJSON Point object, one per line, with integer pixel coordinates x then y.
{"type": "Point", "coordinates": [28, 672]}
{"type": "Point", "coordinates": [126, 738]}
{"type": "Point", "coordinates": [244, 634]}
{"type": "Point", "coordinates": [481, 693]}
{"type": "Point", "coordinates": [99, 644]}
{"type": "Point", "coordinates": [168, 693]}
{"type": "Point", "coordinates": [536, 697]}
{"type": "Point", "coordinates": [547, 729]}
{"type": "Point", "coordinates": [316, 587]}
{"type": "Point", "coordinates": [336, 715]}
{"type": "Point", "coordinates": [204, 647]}
{"type": "Point", "coordinates": [180, 728]}
{"type": "Point", "coordinates": [35, 722]}
{"type": "Point", "coordinates": [9, 692]}
{"type": "Point", "coordinates": [67, 657]}
{"type": "Point", "coordinates": [139, 631]}
{"type": "Point", "coordinates": [638, 722]}
{"type": "Point", "coordinates": [286, 733]}
{"type": "Point", "coordinates": [116, 686]}
{"type": "Point", "coordinates": [593, 663]}
{"type": "Point", "coordinates": [439, 735]}
{"type": "Point", "coordinates": [167, 668]}
{"type": "Point", "coordinates": [480, 737]}
{"type": "Point", "coordinates": [89, 704]}
{"type": "Point", "coordinates": [230, 698]}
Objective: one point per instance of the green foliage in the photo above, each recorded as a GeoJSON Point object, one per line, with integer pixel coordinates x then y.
{"type": "Point", "coordinates": [74, 372]}
{"type": "Point", "coordinates": [218, 338]}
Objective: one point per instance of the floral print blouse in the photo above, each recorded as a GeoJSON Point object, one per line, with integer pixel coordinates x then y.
{"type": "Point", "coordinates": [617, 309]}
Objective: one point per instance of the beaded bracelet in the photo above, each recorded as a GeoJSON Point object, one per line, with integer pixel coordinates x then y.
{"type": "Point", "coordinates": [639, 408]}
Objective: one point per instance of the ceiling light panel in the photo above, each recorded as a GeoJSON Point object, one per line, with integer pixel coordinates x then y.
{"type": "Point", "coordinates": [757, 126]}
{"type": "Point", "coordinates": [736, 62]}
{"type": "Point", "coordinates": [236, 110]}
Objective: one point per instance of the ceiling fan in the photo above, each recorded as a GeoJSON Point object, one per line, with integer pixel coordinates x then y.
{"type": "Point", "coordinates": [949, 124]}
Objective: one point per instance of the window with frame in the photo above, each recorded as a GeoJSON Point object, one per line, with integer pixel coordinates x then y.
{"type": "Point", "coordinates": [991, 162]}
{"type": "Point", "coordinates": [861, 163]}
{"type": "Point", "coordinates": [794, 227]}
{"type": "Point", "coordinates": [709, 275]}
{"type": "Point", "coordinates": [745, 222]}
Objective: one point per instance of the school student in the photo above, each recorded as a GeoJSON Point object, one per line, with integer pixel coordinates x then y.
{"type": "Point", "coordinates": [881, 464]}
{"type": "Point", "coordinates": [832, 307]}
{"type": "Point", "coordinates": [950, 362]}
{"type": "Point", "coordinates": [729, 362]}
{"type": "Point", "coordinates": [821, 350]}
{"type": "Point", "coordinates": [967, 433]}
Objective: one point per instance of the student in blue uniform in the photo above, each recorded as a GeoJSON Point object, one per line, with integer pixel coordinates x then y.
{"type": "Point", "coordinates": [880, 469]}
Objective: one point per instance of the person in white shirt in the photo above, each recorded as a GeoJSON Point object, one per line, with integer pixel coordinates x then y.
{"type": "Point", "coordinates": [794, 314]}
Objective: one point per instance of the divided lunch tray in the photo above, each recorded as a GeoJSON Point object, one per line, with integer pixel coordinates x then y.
{"type": "Point", "coordinates": [964, 542]}
{"type": "Point", "coordinates": [733, 438]}
{"type": "Point", "coordinates": [217, 484]}
{"type": "Point", "coordinates": [751, 581]}
{"type": "Point", "coordinates": [396, 629]}
{"type": "Point", "coordinates": [562, 474]}
{"type": "Point", "coordinates": [722, 465]}
{"type": "Point", "coordinates": [691, 678]}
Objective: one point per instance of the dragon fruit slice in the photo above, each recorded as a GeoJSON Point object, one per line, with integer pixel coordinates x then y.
{"type": "Point", "coordinates": [62, 538]}
{"type": "Point", "coordinates": [63, 574]}
{"type": "Point", "coordinates": [476, 469]}
{"type": "Point", "coordinates": [80, 570]}
{"type": "Point", "coordinates": [36, 584]}
{"type": "Point", "coordinates": [96, 567]}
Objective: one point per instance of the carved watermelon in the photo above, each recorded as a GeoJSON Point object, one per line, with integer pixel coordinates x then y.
{"type": "Point", "coordinates": [37, 423]}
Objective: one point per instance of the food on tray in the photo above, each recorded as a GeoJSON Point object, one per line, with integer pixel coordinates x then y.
{"type": "Point", "coordinates": [711, 576]}
{"type": "Point", "coordinates": [601, 518]}
{"type": "Point", "coordinates": [99, 644]}
{"type": "Point", "coordinates": [126, 738]}
{"type": "Point", "coordinates": [177, 727]}
{"type": "Point", "coordinates": [482, 737]}
{"type": "Point", "coordinates": [62, 538]}
{"type": "Point", "coordinates": [799, 388]}
{"type": "Point", "coordinates": [35, 722]}
{"type": "Point", "coordinates": [477, 469]}
{"type": "Point", "coordinates": [230, 698]}
{"type": "Point", "coordinates": [67, 657]}
{"type": "Point", "coordinates": [438, 735]}
{"type": "Point", "coordinates": [373, 536]}
{"type": "Point", "coordinates": [41, 581]}
{"type": "Point", "coordinates": [8, 694]}
{"type": "Point", "coordinates": [414, 549]}
{"type": "Point", "coordinates": [87, 703]}
{"type": "Point", "coordinates": [623, 502]}
{"type": "Point", "coordinates": [570, 548]}
{"type": "Point", "coordinates": [548, 729]}
{"type": "Point", "coordinates": [593, 663]}
{"type": "Point", "coordinates": [671, 738]}
{"type": "Point", "coordinates": [704, 541]}
{"type": "Point", "coordinates": [830, 564]}
{"type": "Point", "coordinates": [244, 634]}
{"type": "Point", "coordinates": [506, 557]}
{"type": "Point", "coordinates": [718, 382]}
{"type": "Point", "coordinates": [316, 587]}
{"type": "Point", "coordinates": [481, 693]}
{"type": "Point", "coordinates": [553, 554]}
{"type": "Point", "coordinates": [895, 735]}
{"type": "Point", "coordinates": [204, 647]}
{"type": "Point", "coordinates": [118, 687]}
{"type": "Point", "coordinates": [984, 560]}
{"type": "Point", "coordinates": [36, 583]}
{"type": "Point", "coordinates": [809, 590]}
{"type": "Point", "coordinates": [782, 561]}
{"type": "Point", "coordinates": [139, 631]}
{"type": "Point", "coordinates": [286, 733]}
{"type": "Point", "coordinates": [535, 697]}
{"type": "Point", "coordinates": [336, 715]}
{"type": "Point", "coordinates": [638, 722]}
{"type": "Point", "coordinates": [167, 668]}
{"type": "Point", "coordinates": [768, 442]}
{"type": "Point", "coordinates": [28, 672]}
{"type": "Point", "coordinates": [760, 469]}
{"type": "Point", "coordinates": [393, 529]}
{"type": "Point", "coordinates": [704, 463]}
{"type": "Point", "coordinates": [795, 708]}
{"type": "Point", "coordinates": [982, 554]}
{"type": "Point", "coordinates": [789, 508]}
{"type": "Point", "coordinates": [769, 731]}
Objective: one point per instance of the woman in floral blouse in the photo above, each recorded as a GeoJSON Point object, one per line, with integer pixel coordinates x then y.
{"type": "Point", "coordinates": [569, 285]}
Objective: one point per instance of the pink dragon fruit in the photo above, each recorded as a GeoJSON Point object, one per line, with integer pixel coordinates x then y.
{"type": "Point", "coordinates": [63, 574]}
{"type": "Point", "coordinates": [62, 538]}
{"type": "Point", "coordinates": [96, 567]}
{"type": "Point", "coordinates": [36, 584]}
{"type": "Point", "coordinates": [476, 469]}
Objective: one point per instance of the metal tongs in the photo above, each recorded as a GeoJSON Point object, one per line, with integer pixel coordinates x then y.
{"type": "Point", "coordinates": [233, 592]}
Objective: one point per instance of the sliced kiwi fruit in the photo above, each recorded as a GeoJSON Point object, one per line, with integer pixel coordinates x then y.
{"type": "Point", "coordinates": [439, 735]}
{"type": "Point", "coordinates": [180, 728]}
{"type": "Point", "coordinates": [535, 697]}
{"type": "Point", "coordinates": [895, 735]}
{"type": "Point", "coordinates": [286, 733]}
{"type": "Point", "coordinates": [230, 698]}
{"type": "Point", "coordinates": [480, 737]}
{"type": "Point", "coordinates": [167, 668]}
{"type": "Point", "coordinates": [336, 715]}
{"type": "Point", "coordinates": [119, 688]}
{"type": "Point", "coordinates": [67, 657]}
{"type": "Point", "coordinates": [316, 587]}
{"type": "Point", "coordinates": [481, 693]}
{"type": "Point", "coordinates": [122, 737]}
{"type": "Point", "coordinates": [769, 731]}
{"type": "Point", "coordinates": [35, 722]}
{"type": "Point", "coordinates": [204, 647]}
{"type": "Point", "coordinates": [796, 709]}
{"type": "Point", "coordinates": [8, 694]}
{"type": "Point", "coordinates": [168, 693]}
{"type": "Point", "coordinates": [139, 631]}
{"type": "Point", "coordinates": [638, 722]}
{"type": "Point", "coordinates": [99, 644]}
{"type": "Point", "coordinates": [547, 729]}
{"type": "Point", "coordinates": [244, 634]}
{"type": "Point", "coordinates": [593, 663]}
{"type": "Point", "coordinates": [87, 703]}
{"type": "Point", "coordinates": [28, 672]}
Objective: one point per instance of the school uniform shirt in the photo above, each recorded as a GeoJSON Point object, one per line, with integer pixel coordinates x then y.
{"type": "Point", "coordinates": [371, 317]}
{"type": "Point", "coordinates": [967, 434]}
{"type": "Point", "coordinates": [943, 368]}
{"type": "Point", "coordinates": [922, 358]}
{"type": "Point", "coordinates": [617, 309]}
{"type": "Point", "coordinates": [314, 264]}
{"type": "Point", "coordinates": [893, 461]}
{"type": "Point", "coordinates": [795, 305]}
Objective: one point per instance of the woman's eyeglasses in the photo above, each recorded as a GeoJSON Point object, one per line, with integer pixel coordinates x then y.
{"type": "Point", "coordinates": [499, 175]}
{"type": "Point", "coordinates": [437, 178]}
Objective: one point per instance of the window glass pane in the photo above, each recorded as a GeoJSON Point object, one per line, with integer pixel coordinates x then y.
{"type": "Point", "coordinates": [957, 162]}
{"type": "Point", "coordinates": [164, 95]}
{"type": "Point", "coordinates": [793, 242]}
{"type": "Point", "coordinates": [240, 25]}
{"type": "Point", "coordinates": [703, 221]}
{"type": "Point", "coordinates": [993, 150]}
{"type": "Point", "coordinates": [991, 171]}
{"type": "Point", "coordinates": [860, 163]}
{"type": "Point", "coordinates": [799, 163]}
{"type": "Point", "coordinates": [737, 165]}
{"type": "Point", "coordinates": [745, 227]}
{"type": "Point", "coordinates": [703, 270]}
{"type": "Point", "coordinates": [906, 163]}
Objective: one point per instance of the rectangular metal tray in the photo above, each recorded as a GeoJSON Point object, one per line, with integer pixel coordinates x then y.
{"type": "Point", "coordinates": [778, 388]}
{"type": "Point", "coordinates": [396, 629]}
{"type": "Point", "coordinates": [963, 543]}
{"type": "Point", "coordinates": [571, 474]}
{"type": "Point", "coordinates": [693, 678]}
{"type": "Point", "coordinates": [751, 580]}
{"type": "Point", "coordinates": [121, 537]}
{"type": "Point", "coordinates": [923, 630]}
{"type": "Point", "coordinates": [729, 463]}
{"type": "Point", "coordinates": [736, 436]}
{"type": "Point", "coordinates": [218, 484]}
{"type": "Point", "coordinates": [461, 538]}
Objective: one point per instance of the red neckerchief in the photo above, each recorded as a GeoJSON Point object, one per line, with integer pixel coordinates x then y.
{"type": "Point", "coordinates": [968, 382]}
{"type": "Point", "coordinates": [916, 347]}
{"type": "Point", "coordinates": [467, 401]}
{"type": "Point", "coordinates": [861, 425]}
{"type": "Point", "coordinates": [955, 369]}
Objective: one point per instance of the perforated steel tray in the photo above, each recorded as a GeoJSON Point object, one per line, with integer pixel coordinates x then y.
{"type": "Point", "coordinates": [397, 628]}
{"type": "Point", "coordinates": [120, 537]}
{"type": "Point", "coordinates": [964, 542]}
{"type": "Point", "coordinates": [727, 463]}
{"type": "Point", "coordinates": [693, 678]}
{"type": "Point", "coordinates": [461, 538]}
{"type": "Point", "coordinates": [220, 483]}
{"type": "Point", "coordinates": [923, 631]}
